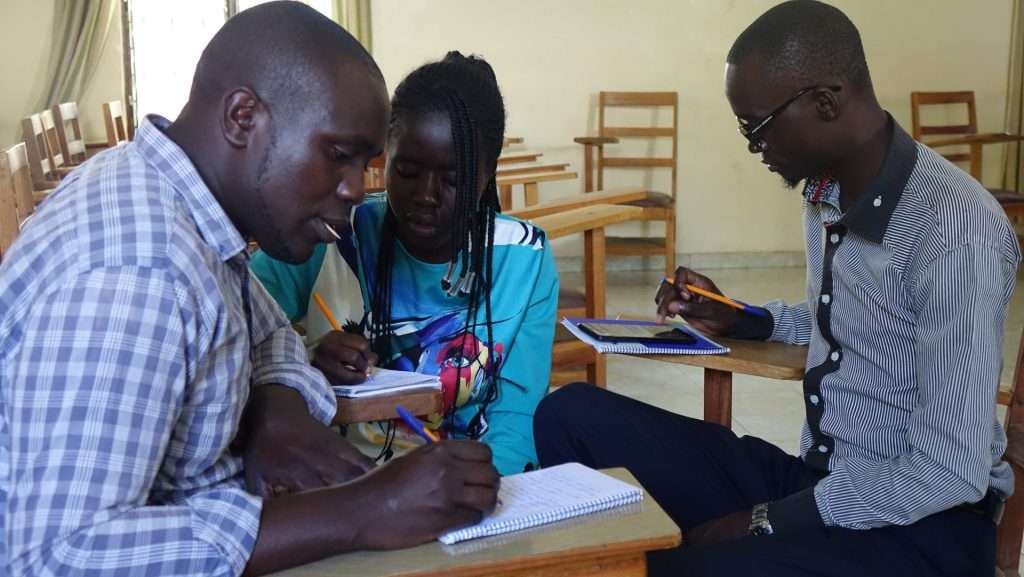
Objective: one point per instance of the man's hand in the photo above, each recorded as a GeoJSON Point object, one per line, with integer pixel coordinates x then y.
{"type": "Point", "coordinates": [704, 314]}
{"type": "Point", "coordinates": [433, 489]}
{"type": "Point", "coordinates": [287, 450]}
{"type": "Point", "coordinates": [728, 528]}
{"type": "Point", "coordinates": [344, 358]}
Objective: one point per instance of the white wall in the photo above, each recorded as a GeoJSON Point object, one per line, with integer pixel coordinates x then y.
{"type": "Point", "coordinates": [25, 38]}
{"type": "Point", "coordinates": [552, 57]}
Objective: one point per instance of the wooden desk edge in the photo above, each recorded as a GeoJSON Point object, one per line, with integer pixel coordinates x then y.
{"type": "Point", "coordinates": [383, 407]}
{"type": "Point", "coordinates": [728, 364]}
{"type": "Point", "coordinates": [631, 551]}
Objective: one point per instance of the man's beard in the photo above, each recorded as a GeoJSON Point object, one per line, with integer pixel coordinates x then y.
{"type": "Point", "coordinates": [790, 183]}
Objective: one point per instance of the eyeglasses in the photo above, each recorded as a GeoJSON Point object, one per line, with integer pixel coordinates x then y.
{"type": "Point", "coordinates": [755, 143]}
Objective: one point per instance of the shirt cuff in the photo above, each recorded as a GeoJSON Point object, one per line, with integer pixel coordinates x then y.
{"type": "Point", "coordinates": [796, 512]}
{"type": "Point", "coordinates": [309, 382]}
{"type": "Point", "coordinates": [753, 327]}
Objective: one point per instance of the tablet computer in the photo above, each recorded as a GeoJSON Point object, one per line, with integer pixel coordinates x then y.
{"type": "Point", "coordinates": [634, 333]}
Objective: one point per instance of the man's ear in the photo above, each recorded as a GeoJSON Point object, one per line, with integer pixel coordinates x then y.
{"type": "Point", "coordinates": [827, 102]}
{"type": "Point", "coordinates": [243, 112]}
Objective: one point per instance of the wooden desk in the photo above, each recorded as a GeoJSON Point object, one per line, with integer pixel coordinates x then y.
{"type": "Point", "coordinates": [519, 156]}
{"type": "Point", "coordinates": [611, 196]}
{"type": "Point", "coordinates": [610, 543]}
{"type": "Point", "coordinates": [758, 358]}
{"type": "Point", "coordinates": [383, 407]}
{"type": "Point", "coordinates": [590, 220]}
{"type": "Point", "coordinates": [530, 184]}
{"type": "Point", "coordinates": [530, 168]}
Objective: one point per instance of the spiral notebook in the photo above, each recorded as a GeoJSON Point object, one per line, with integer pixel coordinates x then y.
{"type": "Point", "coordinates": [548, 495]}
{"type": "Point", "coordinates": [701, 346]}
{"type": "Point", "coordinates": [386, 382]}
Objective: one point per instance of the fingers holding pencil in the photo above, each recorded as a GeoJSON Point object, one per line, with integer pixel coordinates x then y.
{"type": "Point", "coordinates": [697, 299]}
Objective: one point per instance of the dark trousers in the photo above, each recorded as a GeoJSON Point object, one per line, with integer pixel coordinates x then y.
{"type": "Point", "coordinates": [699, 471]}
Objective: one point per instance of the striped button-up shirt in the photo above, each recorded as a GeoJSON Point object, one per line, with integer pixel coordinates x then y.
{"type": "Point", "coordinates": [131, 337]}
{"type": "Point", "coordinates": [906, 300]}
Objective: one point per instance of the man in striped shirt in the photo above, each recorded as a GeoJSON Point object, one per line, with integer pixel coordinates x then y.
{"type": "Point", "coordinates": [910, 265]}
{"type": "Point", "coordinates": [133, 336]}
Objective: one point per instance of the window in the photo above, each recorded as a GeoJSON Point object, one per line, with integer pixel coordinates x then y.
{"type": "Point", "coordinates": [166, 40]}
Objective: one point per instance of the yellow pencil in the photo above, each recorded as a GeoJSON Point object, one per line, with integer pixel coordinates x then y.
{"type": "Point", "coordinates": [715, 297]}
{"type": "Point", "coordinates": [327, 312]}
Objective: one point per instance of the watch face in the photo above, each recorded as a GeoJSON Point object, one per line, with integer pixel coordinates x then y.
{"type": "Point", "coordinates": [761, 529]}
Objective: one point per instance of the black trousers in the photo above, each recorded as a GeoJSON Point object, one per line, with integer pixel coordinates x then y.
{"type": "Point", "coordinates": [699, 471]}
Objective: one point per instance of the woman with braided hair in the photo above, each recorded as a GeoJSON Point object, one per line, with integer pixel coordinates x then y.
{"type": "Point", "coordinates": [451, 287]}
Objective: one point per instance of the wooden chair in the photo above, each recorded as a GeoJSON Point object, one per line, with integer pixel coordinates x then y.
{"type": "Point", "coordinates": [375, 177]}
{"type": "Point", "coordinates": [115, 123]}
{"type": "Point", "coordinates": [657, 206]}
{"type": "Point", "coordinates": [8, 208]}
{"type": "Point", "coordinates": [69, 132]}
{"type": "Point", "coordinates": [963, 135]}
{"type": "Point", "coordinates": [44, 175]}
{"type": "Point", "coordinates": [25, 198]}
{"type": "Point", "coordinates": [1011, 526]}
{"type": "Point", "coordinates": [59, 163]}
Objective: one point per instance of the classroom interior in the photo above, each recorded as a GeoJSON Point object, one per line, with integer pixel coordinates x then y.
{"type": "Point", "coordinates": [558, 65]}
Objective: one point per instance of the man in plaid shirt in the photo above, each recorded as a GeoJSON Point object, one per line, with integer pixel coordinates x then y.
{"type": "Point", "coordinates": [134, 338]}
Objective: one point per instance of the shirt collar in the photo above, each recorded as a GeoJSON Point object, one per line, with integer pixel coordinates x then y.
{"type": "Point", "coordinates": [870, 216]}
{"type": "Point", "coordinates": [213, 223]}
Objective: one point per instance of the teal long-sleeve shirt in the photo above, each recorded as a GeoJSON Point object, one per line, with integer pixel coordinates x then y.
{"type": "Point", "coordinates": [428, 324]}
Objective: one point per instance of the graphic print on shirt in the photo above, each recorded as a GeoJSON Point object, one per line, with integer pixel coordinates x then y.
{"type": "Point", "coordinates": [441, 346]}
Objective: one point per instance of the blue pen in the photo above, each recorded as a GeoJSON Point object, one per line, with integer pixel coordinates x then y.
{"type": "Point", "coordinates": [757, 311]}
{"type": "Point", "coordinates": [416, 425]}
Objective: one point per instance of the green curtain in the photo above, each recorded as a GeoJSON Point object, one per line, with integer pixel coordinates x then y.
{"type": "Point", "coordinates": [1014, 166]}
{"type": "Point", "coordinates": [80, 30]}
{"type": "Point", "coordinates": [354, 16]}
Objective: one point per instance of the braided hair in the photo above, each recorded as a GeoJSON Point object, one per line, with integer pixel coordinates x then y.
{"type": "Point", "coordinates": [466, 90]}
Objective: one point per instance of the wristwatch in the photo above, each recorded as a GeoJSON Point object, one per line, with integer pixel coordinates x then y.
{"type": "Point", "coordinates": [759, 524]}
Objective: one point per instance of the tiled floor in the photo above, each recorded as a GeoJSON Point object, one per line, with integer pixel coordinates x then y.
{"type": "Point", "coordinates": [766, 408]}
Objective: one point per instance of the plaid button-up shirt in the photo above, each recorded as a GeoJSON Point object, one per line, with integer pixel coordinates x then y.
{"type": "Point", "coordinates": [131, 336]}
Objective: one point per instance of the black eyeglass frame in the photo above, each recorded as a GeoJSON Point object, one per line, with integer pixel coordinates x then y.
{"type": "Point", "coordinates": [755, 143]}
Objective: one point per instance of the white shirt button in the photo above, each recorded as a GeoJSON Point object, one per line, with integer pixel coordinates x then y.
{"type": "Point", "coordinates": [826, 299]}
{"type": "Point", "coordinates": [877, 202]}
{"type": "Point", "coordinates": [834, 239]}
{"type": "Point", "coordinates": [834, 356]}
{"type": "Point", "coordinates": [814, 399]}
{"type": "Point", "coordinates": [822, 449]}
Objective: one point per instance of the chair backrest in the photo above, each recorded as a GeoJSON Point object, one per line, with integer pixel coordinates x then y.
{"type": "Point", "coordinates": [43, 175]}
{"type": "Point", "coordinates": [21, 178]}
{"type": "Point", "coordinates": [8, 208]}
{"type": "Point", "coordinates": [374, 176]}
{"type": "Point", "coordinates": [57, 159]}
{"type": "Point", "coordinates": [1011, 528]}
{"type": "Point", "coordinates": [652, 100]}
{"type": "Point", "coordinates": [965, 98]}
{"type": "Point", "coordinates": [69, 132]}
{"type": "Point", "coordinates": [114, 122]}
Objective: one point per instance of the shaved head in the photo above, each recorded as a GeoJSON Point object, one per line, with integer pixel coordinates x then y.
{"type": "Point", "coordinates": [286, 111]}
{"type": "Point", "coordinates": [283, 50]}
{"type": "Point", "coordinates": [806, 41]}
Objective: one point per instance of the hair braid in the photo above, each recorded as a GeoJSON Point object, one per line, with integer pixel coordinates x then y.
{"type": "Point", "coordinates": [466, 90]}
